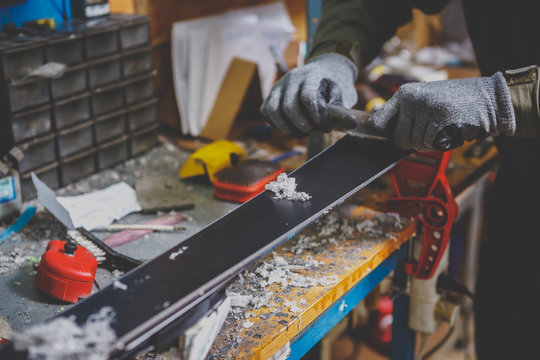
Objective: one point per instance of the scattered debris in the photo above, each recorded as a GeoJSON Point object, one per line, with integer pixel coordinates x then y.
{"type": "Point", "coordinates": [180, 251]}
{"type": "Point", "coordinates": [238, 300]}
{"type": "Point", "coordinates": [117, 273]}
{"type": "Point", "coordinates": [247, 324]}
{"type": "Point", "coordinates": [117, 284]}
{"type": "Point", "coordinates": [285, 188]}
{"type": "Point", "coordinates": [63, 339]}
{"type": "Point", "coordinates": [13, 259]}
{"type": "Point", "coordinates": [369, 226]}
{"type": "Point", "coordinates": [51, 70]}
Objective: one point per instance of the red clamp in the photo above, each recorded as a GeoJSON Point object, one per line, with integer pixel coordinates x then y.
{"type": "Point", "coordinates": [423, 193]}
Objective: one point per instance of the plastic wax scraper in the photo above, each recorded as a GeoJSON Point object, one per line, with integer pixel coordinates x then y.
{"type": "Point", "coordinates": [245, 180]}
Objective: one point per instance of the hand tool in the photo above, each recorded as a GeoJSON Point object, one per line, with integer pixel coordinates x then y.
{"type": "Point", "coordinates": [212, 158]}
{"type": "Point", "coordinates": [354, 121]}
{"type": "Point", "coordinates": [107, 258]}
{"type": "Point", "coordinates": [163, 293]}
{"type": "Point", "coordinates": [151, 227]}
{"type": "Point", "coordinates": [124, 237]}
{"type": "Point", "coordinates": [245, 180]}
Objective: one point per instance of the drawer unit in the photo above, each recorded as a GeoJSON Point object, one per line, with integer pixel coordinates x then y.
{"type": "Point", "coordinates": [27, 93]}
{"type": "Point", "coordinates": [18, 59]}
{"type": "Point", "coordinates": [71, 83]}
{"type": "Point", "coordinates": [31, 123]}
{"type": "Point", "coordinates": [71, 111]}
{"type": "Point", "coordinates": [100, 41]}
{"type": "Point", "coordinates": [104, 71]}
{"type": "Point", "coordinates": [65, 49]}
{"type": "Point", "coordinates": [101, 111]}
{"type": "Point", "coordinates": [37, 152]}
{"type": "Point", "coordinates": [75, 139]}
{"type": "Point", "coordinates": [143, 139]}
{"type": "Point", "coordinates": [139, 88]}
{"type": "Point", "coordinates": [112, 153]}
{"type": "Point", "coordinates": [48, 174]}
{"type": "Point", "coordinates": [77, 166]}
{"type": "Point", "coordinates": [107, 99]}
{"type": "Point", "coordinates": [136, 62]}
{"type": "Point", "coordinates": [134, 30]}
{"type": "Point", "coordinates": [110, 126]}
{"type": "Point", "coordinates": [142, 114]}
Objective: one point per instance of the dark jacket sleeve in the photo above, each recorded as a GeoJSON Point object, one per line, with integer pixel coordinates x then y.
{"type": "Point", "coordinates": [359, 28]}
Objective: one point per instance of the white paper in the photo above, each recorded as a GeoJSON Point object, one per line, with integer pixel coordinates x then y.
{"type": "Point", "coordinates": [46, 196]}
{"type": "Point", "coordinates": [202, 50]}
{"type": "Point", "coordinates": [95, 209]}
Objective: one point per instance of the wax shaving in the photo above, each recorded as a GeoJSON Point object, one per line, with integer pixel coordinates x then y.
{"type": "Point", "coordinates": [64, 339]}
{"type": "Point", "coordinates": [285, 188]}
{"type": "Point", "coordinates": [117, 284]}
{"type": "Point", "coordinates": [247, 324]}
{"type": "Point", "coordinates": [180, 251]}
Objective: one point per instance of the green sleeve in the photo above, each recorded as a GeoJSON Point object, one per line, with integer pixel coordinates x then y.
{"type": "Point", "coordinates": [359, 28]}
{"type": "Point", "coordinates": [523, 85]}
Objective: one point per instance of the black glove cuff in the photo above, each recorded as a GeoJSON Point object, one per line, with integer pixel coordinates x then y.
{"type": "Point", "coordinates": [523, 85]}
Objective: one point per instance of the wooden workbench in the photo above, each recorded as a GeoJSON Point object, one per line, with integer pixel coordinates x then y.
{"type": "Point", "coordinates": [294, 318]}
{"type": "Point", "coordinates": [295, 315]}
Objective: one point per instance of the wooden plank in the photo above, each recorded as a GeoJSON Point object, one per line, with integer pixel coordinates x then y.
{"type": "Point", "coordinates": [348, 260]}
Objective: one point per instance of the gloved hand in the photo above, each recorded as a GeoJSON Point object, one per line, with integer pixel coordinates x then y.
{"type": "Point", "coordinates": [297, 103]}
{"type": "Point", "coordinates": [441, 115]}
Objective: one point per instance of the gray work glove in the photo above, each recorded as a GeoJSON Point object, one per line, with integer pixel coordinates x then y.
{"type": "Point", "coordinates": [297, 102]}
{"type": "Point", "coordinates": [441, 115]}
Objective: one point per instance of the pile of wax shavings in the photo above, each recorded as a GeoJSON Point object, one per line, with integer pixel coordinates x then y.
{"type": "Point", "coordinates": [280, 272]}
{"type": "Point", "coordinates": [329, 230]}
{"type": "Point", "coordinates": [285, 188]}
{"type": "Point", "coordinates": [277, 271]}
{"type": "Point", "coordinates": [249, 293]}
{"type": "Point", "coordinates": [15, 258]}
{"type": "Point", "coordinates": [381, 225]}
{"type": "Point", "coordinates": [64, 339]}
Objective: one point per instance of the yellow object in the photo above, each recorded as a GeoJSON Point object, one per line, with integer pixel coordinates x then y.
{"type": "Point", "coordinates": [374, 104]}
{"type": "Point", "coordinates": [212, 158]}
{"type": "Point", "coordinates": [377, 71]}
{"type": "Point", "coordinates": [46, 21]}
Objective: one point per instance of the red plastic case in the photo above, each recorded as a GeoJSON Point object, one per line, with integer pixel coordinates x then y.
{"type": "Point", "coordinates": [64, 276]}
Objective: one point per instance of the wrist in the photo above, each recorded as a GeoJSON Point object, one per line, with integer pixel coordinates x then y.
{"type": "Point", "coordinates": [523, 86]}
{"type": "Point", "coordinates": [350, 50]}
{"type": "Point", "coordinates": [336, 62]}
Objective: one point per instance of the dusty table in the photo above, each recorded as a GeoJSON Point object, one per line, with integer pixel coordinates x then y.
{"type": "Point", "coordinates": [350, 266]}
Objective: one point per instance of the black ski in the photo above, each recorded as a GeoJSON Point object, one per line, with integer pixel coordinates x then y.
{"type": "Point", "coordinates": [168, 293]}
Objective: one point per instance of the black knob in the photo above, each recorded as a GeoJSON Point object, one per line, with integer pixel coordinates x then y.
{"type": "Point", "coordinates": [70, 248]}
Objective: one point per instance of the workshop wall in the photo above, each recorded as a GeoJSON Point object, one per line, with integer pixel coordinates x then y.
{"type": "Point", "coordinates": [163, 13]}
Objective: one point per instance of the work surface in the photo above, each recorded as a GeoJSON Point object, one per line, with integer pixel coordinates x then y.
{"type": "Point", "coordinates": [281, 294]}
